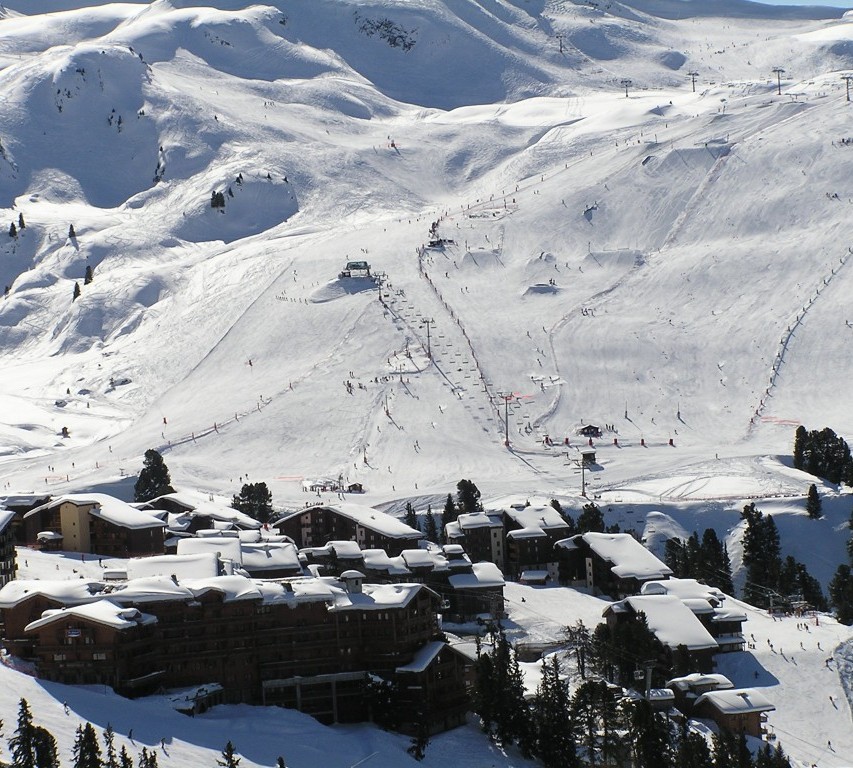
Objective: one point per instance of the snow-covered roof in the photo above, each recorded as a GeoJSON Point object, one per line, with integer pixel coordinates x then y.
{"type": "Point", "coordinates": [65, 591]}
{"type": "Point", "coordinates": [368, 517]}
{"type": "Point", "coordinates": [261, 556]}
{"type": "Point", "coordinates": [484, 575]}
{"type": "Point", "coordinates": [232, 587]}
{"type": "Point", "coordinates": [737, 701]}
{"type": "Point", "coordinates": [202, 505]}
{"type": "Point", "coordinates": [103, 612]}
{"type": "Point", "coordinates": [661, 694]}
{"type": "Point", "coordinates": [696, 679]}
{"type": "Point", "coordinates": [349, 550]}
{"type": "Point", "coordinates": [729, 613]}
{"type": "Point", "coordinates": [631, 560]}
{"type": "Point", "coordinates": [151, 589]}
{"type": "Point", "coordinates": [224, 547]}
{"type": "Point", "coordinates": [378, 560]}
{"type": "Point", "coordinates": [107, 508]}
{"type": "Point", "coordinates": [686, 589]}
{"type": "Point", "coordinates": [543, 517]}
{"type": "Point", "coordinates": [470, 520]}
{"type": "Point", "coordinates": [378, 596]}
{"type": "Point", "coordinates": [423, 657]}
{"type": "Point", "coordinates": [424, 558]}
{"type": "Point", "coordinates": [533, 532]}
{"type": "Point", "coordinates": [196, 565]}
{"type": "Point", "coordinates": [671, 622]}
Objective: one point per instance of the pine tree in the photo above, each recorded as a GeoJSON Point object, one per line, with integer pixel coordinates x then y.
{"type": "Point", "coordinates": [153, 480]}
{"type": "Point", "coordinates": [813, 503]}
{"type": "Point", "coordinates": [87, 751]}
{"type": "Point", "coordinates": [431, 532]}
{"type": "Point", "coordinates": [731, 750]}
{"type": "Point", "coordinates": [468, 497]}
{"type": "Point", "coordinates": [13, 232]}
{"type": "Point", "coordinates": [280, 762]}
{"type": "Point", "coordinates": [692, 751]}
{"type": "Point", "coordinates": [555, 740]}
{"type": "Point", "coordinates": [46, 752]}
{"type": "Point", "coordinates": [579, 639]}
{"type": "Point", "coordinates": [590, 519]}
{"type": "Point", "coordinates": [850, 540]}
{"type": "Point", "coordinates": [76, 292]}
{"type": "Point", "coordinates": [841, 594]}
{"type": "Point", "coordinates": [650, 737]}
{"type": "Point", "coordinates": [800, 437]}
{"type": "Point", "coordinates": [595, 722]}
{"type": "Point", "coordinates": [411, 518]}
{"type": "Point", "coordinates": [124, 759]}
{"type": "Point", "coordinates": [450, 513]}
{"type": "Point", "coordinates": [255, 500]}
{"type": "Point", "coordinates": [229, 757]}
{"type": "Point", "coordinates": [22, 744]}
{"type": "Point", "coordinates": [71, 233]}
{"type": "Point", "coordinates": [110, 759]}
{"type": "Point", "coordinates": [88, 277]}
{"type": "Point", "coordinates": [21, 223]}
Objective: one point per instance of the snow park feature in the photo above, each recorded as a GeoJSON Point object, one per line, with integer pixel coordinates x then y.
{"type": "Point", "coordinates": [635, 213]}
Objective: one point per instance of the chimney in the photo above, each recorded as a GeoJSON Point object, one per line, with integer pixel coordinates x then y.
{"type": "Point", "coordinates": [352, 581]}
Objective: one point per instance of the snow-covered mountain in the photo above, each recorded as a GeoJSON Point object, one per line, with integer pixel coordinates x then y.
{"type": "Point", "coordinates": [621, 249]}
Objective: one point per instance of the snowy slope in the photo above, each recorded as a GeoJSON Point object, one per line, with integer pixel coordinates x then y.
{"type": "Point", "coordinates": [672, 263]}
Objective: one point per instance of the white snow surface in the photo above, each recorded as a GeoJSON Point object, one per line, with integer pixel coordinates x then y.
{"type": "Point", "coordinates": [674, 264]}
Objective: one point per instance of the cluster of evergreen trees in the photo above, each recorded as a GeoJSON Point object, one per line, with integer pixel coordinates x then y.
{"type": "Point", "coordinates": [824, 454]}
{"type": "Point", "coordinates": [597, 725]}
{"type": "Point", "coordinates": [32, 746]}
{"type": "Point", "coordinates": [467, 501]}
{"type": "Point", "coordinates": [770, 579]}
{"type": "Point", "coordinates": [706, 560]}
{"type": "Point", "coordinates": [13, 230]}
{"type": "Point", "coordinates": [254, 500]}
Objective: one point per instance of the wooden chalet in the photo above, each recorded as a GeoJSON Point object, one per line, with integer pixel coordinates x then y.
{"type": "Point", "coordinates": [741, 710]}
{"type": "Point", "coordinates": [614, 564]}
{"type": "Point", "coordinates": [368, 527]}
{"type": "Point", "coordinates": [95, 523]}
{"type": "Point", "coordinates": [672, 623]}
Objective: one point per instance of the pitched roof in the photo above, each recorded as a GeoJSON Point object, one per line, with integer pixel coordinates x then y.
{"type": "Point", "coordinates": [671, 621]}
{"type": "Point", "coordinates": [483, 575]}
{"type": "Point", "coordinates": [65, 591]}
{"type": "Point", "coordinates": [630, 558]}
{"type": "Point", "coordinates": [737, 701]}
{"type": "Point", "coordinates": [367, 517]}
{"type": "Point", "coordinates": [107, 508]}
{"type": "Point", "coordinates": [102, 612]}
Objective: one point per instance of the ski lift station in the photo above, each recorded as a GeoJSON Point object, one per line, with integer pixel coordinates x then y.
{"type": "Point", "coordinates": [356, 269]}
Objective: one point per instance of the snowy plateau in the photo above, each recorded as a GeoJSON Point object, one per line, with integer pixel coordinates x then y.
{"type": "Point", "coordinates": [616, 241]}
